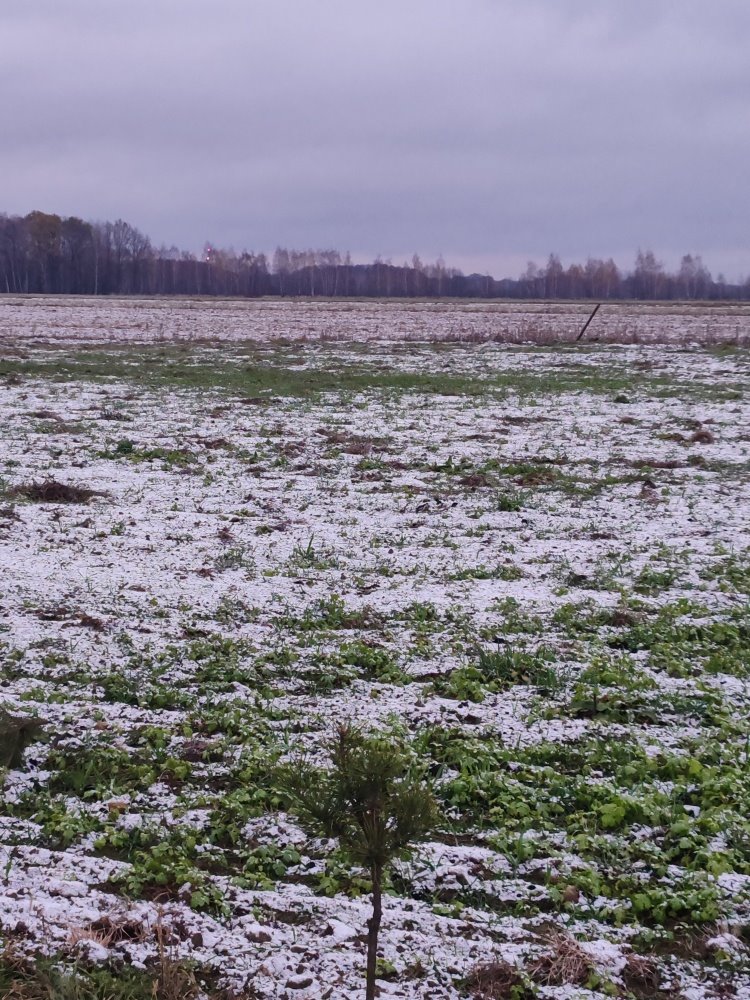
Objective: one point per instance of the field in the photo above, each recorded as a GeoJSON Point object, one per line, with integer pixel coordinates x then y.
{"type": "Point", "coordinates": [28, 320]}
{"type": "Point", "coordinates": [227, 528]}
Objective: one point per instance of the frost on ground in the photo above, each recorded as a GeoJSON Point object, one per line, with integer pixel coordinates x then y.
{"type": "Point", "coordinates": [53, 319]}
{"type": "Point", "coordinates": [533, 566]}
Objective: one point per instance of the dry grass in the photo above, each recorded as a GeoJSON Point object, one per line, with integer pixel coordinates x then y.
{"type": "Point", "coordinates": [475, 480]}
{"type": "Point", "coordinates": [641, 976]}
{"type": "Point", "coordinates": [565, 964]}
{"type": "Point", "coordinates": [16, 732]}
{"type": "Point", "coordinates": [25, 977]}
{"type": "Point", "coordinates": [702, 437]}
{"type": "Point", "coordinates": [52, 491]}
{"type": "Point", "coordinates": [63, 613]}
{"type": "Point", "coordinates": [542, 477]}
{"type": "Point", "coordinates": [656, 463]}
{"type": "Point", "coordinates": [46, 415]}
{"type": "Point", "coordinates": [497, 981]}
{"type": "Point", "coordinates": [353, 444]}
{"type": "Point", "coordinates": [174, 980]}
{"type": "Point", "coordinates": [110, 930]}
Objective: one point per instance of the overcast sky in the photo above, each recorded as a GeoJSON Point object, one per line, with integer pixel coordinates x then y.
{"type": "Point", "coordinates": [491, 131]}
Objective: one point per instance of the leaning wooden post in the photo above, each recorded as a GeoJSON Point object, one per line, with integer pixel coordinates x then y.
{"type": "Point", "coordinates": [586, 324]}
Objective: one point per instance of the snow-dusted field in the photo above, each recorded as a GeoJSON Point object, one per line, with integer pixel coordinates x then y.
{"type": "Point", "coordinates": [40, 319]}
{"type": "Point", "coordinates": [532, 565]}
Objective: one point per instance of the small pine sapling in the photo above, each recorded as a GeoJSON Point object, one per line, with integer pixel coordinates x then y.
{"type": "Point", "coordinates": [374, 800]}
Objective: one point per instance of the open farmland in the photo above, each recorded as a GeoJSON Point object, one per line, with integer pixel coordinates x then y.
{"type": "Point", "coordinates": [528, 565]}
{"type": "Point", "coordinates": [49, 319]}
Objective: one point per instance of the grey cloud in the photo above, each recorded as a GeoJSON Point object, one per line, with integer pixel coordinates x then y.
{"type": "Point", "coordinates": [485, 130]}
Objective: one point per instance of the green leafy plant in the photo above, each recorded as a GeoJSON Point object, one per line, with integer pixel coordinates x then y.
{"type": "Point", "coordinates": [166, 866]}
{"type": "Point", "coordinates": [510, 502]}
{"type": "Point", "coordinates": [500, 669]}
{"type": "Point", "coordinates": [369, 658]}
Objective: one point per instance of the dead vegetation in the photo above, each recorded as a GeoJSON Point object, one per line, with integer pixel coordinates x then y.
{"type": "Point", "coordinates": [70, 617]}
{"type": "Point", "coordinates": [475, 480]}
{"type": "Point", "coordinates": [52, 491]}
{"type": "Point", "coordinates": [46, 415]}
{"type": "Point", "coordinates": [499, 981]}
{"type": "Point", "coordinates": [656, 463]}
{"type": "Point", "coordinates": [537, 477]}
{"type": "Point", "coordinates": [564, 964]}
{"type": "Point", "coordinates": [702, 436]}
{"type": "Point", "coordinates": [212, 444]}
{"type": "Point", "coordinates": [16, 732]}
{"type": "Point", "coordinates": [641, 976]}
{"type": "Point", "coordinates": [353, 444]}
{"type": "Point", "coordinates": [115, 415]}
{"type": "Point", "coordinates": [109, 930]}
{"type": "Point", "coordinates": [24, 977]}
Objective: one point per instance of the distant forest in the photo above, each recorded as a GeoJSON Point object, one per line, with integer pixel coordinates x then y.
{"type": "Point", "coordinates": [40, 252]}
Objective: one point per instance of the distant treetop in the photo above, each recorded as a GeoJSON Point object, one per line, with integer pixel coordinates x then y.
{"type": "Point", "coordinates": [40, 252]}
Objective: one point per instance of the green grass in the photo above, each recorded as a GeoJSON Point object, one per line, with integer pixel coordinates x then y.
{"type": "Point", "coordinates": [254, 372]}
{"type": "Point", "coordinates": [153, 368]}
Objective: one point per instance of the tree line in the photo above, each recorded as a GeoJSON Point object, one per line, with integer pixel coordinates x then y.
{"type": "Point", "coordinates": [42, 252]}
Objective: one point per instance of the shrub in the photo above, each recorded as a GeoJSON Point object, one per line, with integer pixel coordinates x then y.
{"type": "Point", "coordinates": [377, 804]}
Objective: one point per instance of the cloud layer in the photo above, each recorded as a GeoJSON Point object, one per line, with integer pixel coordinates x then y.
{"type": "Point", "coordinates": [489, 130]}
